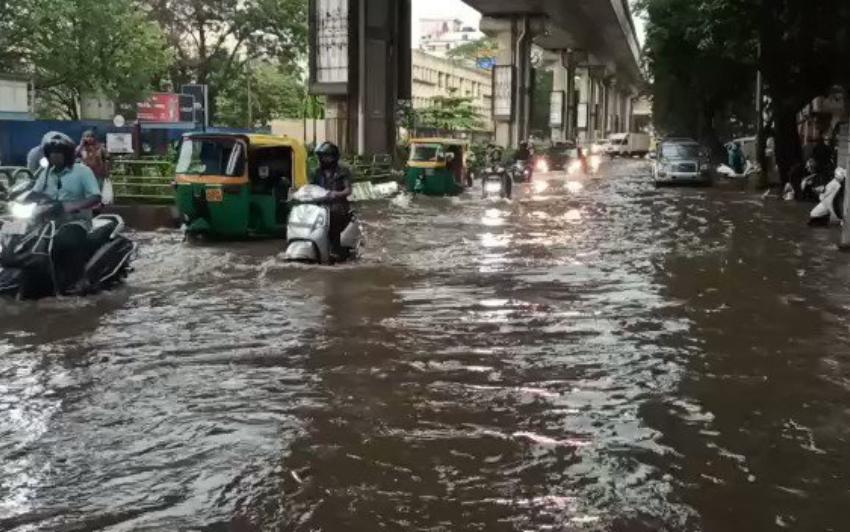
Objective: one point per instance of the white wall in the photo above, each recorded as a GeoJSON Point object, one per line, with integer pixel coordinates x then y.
{"type": "Point", "coordinates": [295, 128]}
{"type": "Point", "coordinates": [14, 96]}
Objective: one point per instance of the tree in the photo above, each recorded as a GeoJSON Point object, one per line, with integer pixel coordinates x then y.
{"type": "Point", "coordinates": [451, 113]}
{"type": "Point", "coordinates": [702, 72]}
{"type": "Point", "coordinates": [540, 100]}
{"type": "Point", "coordinates": [77, 47]}
{"type": "Point", "coordinates": [274, 93]}
{"type": "Point", "coordinates": [213, 39]}
{"type": "Point", "coordinates": [473, 50]}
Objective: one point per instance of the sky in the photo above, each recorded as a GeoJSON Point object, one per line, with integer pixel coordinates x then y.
{"type": "Point", "coordinates": [457, 9]}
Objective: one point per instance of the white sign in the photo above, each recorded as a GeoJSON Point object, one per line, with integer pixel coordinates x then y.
{"type": "Point", "coordinates": [118, 121]}
{"type": "Point", "coordinates": [119, 142]}
{"type": "Point", "coordinates": [556, 109]}
{"type": "Point", "coordinates": [582, 115]}
{"type": "Point", "coordinates": [332, 41]}
{"type": "Point", "coordinates": [503, 92]}
{"type": "Point", "coordinates": [14, 96]}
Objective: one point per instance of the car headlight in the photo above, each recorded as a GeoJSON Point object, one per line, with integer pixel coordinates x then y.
{"type": "Point", "coordinates": [23, 211]}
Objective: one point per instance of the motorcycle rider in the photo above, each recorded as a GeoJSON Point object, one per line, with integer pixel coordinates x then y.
{"type": "Point", "coordinates": [336, 180]}
{"type": "Point", "coordinates": [494, 161]}
{"type": "Point", "coordinates": [74, 185]}
{"type": "Point", "coordinates": [35, 155]}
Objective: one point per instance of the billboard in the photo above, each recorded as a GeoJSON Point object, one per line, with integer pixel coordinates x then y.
{"type": "Point", "coordinates": [160, 108]}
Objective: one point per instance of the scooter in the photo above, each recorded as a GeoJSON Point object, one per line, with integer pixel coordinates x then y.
{"type": "Point", "coordinates": [28, 266]}
{"type": "Point", "coordinates": [831, 206]}
{"type": "Point", "coordinates": [520, 172]}
{"type": "Point", "coordinates": [307, 232]}
{"type": "Point", "coordinates": [496, 183]}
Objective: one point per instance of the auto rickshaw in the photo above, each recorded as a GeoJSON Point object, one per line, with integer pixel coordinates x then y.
{"type": "Point", "coordinates": [231, 186]}
{"type": "Point", "coordinates": [437, 167]}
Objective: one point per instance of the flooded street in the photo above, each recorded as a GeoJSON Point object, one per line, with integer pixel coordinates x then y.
{"type": "Point", "coordinates": [598, 356]}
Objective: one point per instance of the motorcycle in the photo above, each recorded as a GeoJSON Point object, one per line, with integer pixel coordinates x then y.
{"type": "Point", "coordinates": [496, 183]}
{"type": "Point", "coordinates": [28, 266]}
{"type": "Point", "coordinates": [831, 206]}
{"type": "Point", "coordinates": [520, 172]}
{"type": "Point", "coordinates": [308, 228]}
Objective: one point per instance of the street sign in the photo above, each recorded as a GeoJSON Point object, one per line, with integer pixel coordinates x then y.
{"type": "Point", "coordinates": [119, 142]}
{"type": "Point", "coordinates": [118, 121]}
{"type": "Point", "coordinates": [160, 107]}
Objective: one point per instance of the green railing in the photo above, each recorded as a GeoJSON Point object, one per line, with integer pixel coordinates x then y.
{"type": "Point", "coordinates": [143, 181]}
{"type": "Point", "coordinates": [150, 181]}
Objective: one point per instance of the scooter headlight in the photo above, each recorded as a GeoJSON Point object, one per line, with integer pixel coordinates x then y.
{"type": "Point", "coordinates": [23, 211]}
{"type": "Point", "coordinates": [493, 187]}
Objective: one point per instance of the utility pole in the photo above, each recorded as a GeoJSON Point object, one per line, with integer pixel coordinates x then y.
{"type": "Point", "coordinates": [250, 98]}
{"type": "Point", "coordinates": [761, 141]}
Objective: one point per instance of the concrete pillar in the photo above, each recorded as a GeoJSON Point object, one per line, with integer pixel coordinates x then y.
{"type": "Point", "coordinates": [560, 83]}
{"type": "Point", "coordinates": [514, 37]}
{"type": "Point", "coordinates": [581, 108]}
{"type": "Point", "coordinates": [606, 107]}
{"type": "Point", "coordinates": [360, 60]}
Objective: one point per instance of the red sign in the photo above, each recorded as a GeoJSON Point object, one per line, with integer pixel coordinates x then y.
{"type": "Point", "coordinates": [160, 107]}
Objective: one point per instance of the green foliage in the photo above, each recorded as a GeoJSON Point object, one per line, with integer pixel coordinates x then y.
{"type": "Point", "coordinates": [473, 50]}
{"type": "Point", "coordinates": [700, 55]}
{"type": "Point", "coordinates": [451, 113]}
{"type": "Point", "coordinates": [76, 47]}
{"type": "Point", "coordinates": [213, 39]}
{"type": "Point", "coordinates": [542, 96]}
{"type": "Point", "coordinates": [274, 93]}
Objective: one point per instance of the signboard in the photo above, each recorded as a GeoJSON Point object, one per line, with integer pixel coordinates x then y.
{"type": "Point", "coordinates": [160, 107]}
{"type": "Point", "coordinates": [582, 115]}
{"type": "Point", "coordinates": [556, 109]}
{"type": "Point", "coordinates": [503, 88]}
{"type": "Point", "coordinates": [119, 142]}
{"type": "Point", "coordinates": [201, 95]}
{"type": "Point", "coordinates": [331, 23]}
{"type": "Point", "coordinates": [486, 63]}
{"type": "Point", "coordinates": [186, 112]}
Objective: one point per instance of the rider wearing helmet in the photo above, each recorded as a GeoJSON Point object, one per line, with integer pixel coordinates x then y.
{"type": "Point", "coordinates": [74, 185]}
{"type": "Point", "coordinates": [36, 154]}
{"type": "Point", "coordinates": [336, 180]}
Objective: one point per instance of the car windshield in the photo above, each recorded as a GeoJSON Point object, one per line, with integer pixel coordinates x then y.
{"type": "Point", "coordinates": [425, 153]}
{"type": "Point", "coordinates": [223, 157]}
{"type": "Point", "coordinates": [680, 151]}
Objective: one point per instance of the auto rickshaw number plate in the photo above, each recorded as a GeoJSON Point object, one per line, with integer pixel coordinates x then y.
{"type": "Point", "coordinates": [214, 194]}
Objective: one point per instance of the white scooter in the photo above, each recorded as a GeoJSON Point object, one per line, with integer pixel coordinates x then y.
{"type": "Point", "coordinates": [307, 232]}
{"type": "Point", "coordinates": [831, 206]}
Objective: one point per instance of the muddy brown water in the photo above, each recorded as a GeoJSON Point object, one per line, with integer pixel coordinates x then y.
{"type": "Point", "coordinates": [599, 356]}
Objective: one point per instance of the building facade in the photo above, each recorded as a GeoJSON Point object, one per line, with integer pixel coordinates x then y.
{"type": "Point", "coordinates": [435, 76]}
{"type": "Point", "coordinates": [439, 36]}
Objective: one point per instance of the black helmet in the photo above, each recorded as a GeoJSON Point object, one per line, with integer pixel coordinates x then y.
{"type": "Point", "coordinates": [328, 154]}
{"type": "Point", "coordinates": [63, 146]}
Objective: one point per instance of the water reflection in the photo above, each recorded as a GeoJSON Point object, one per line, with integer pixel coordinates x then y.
{"type": "Point", "coordinates": [620, 359]}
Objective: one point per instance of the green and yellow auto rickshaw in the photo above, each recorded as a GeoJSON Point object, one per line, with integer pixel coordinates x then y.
{"type": "Point", "coordinates": [231, 186]}
{"type": "Point", "coordinates": [437, 167]}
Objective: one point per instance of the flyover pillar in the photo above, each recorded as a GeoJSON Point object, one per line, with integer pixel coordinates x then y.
{"type": "Point", "coordinates": [360, 60]}
{"type": "Point", "coordinates": [562, 112]}
{"type": "Point", "coordinates": [512, 75]}
{"type": "Point", "coordinates": [583, 111]}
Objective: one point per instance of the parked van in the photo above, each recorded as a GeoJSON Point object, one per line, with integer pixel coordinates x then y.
{"type": "Point", "coordinates": [628, 144]}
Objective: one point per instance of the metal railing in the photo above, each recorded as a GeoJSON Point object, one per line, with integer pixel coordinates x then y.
{"type": "Point", "coordinates": [143, 181]}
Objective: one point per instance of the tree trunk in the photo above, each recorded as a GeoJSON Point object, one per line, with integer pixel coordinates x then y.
{"type": "Point", "coordinates": [787, 147]}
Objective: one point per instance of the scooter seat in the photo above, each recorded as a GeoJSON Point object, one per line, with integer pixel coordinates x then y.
{"type": "Point", "coordinates": [100, 232]}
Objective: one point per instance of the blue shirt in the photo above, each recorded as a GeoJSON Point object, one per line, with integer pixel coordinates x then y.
{"type": "Point", "coordinates": [70, 184]}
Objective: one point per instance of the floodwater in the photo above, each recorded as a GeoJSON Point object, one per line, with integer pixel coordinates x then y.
{"type": "Point", "coordinates": [599, 356]}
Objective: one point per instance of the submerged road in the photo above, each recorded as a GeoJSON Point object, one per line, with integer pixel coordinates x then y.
{"type": "Point", "coordinates": [597, 356]}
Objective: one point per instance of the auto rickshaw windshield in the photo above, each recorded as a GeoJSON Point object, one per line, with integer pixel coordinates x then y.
{"type": "Point", "coordinates": [222, 157]}
{"type": "Point", "coordinates": [423, 153]}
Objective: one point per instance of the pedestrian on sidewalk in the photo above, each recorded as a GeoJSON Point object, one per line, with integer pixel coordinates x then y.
{"type": "Point", "coordinates": [93, 154]}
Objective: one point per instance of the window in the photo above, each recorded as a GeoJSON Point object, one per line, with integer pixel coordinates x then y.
{"type": "Point", "coordinates": [425, 153]}
{"type": "Point", "coordinates": [680, 151]}
{"type": "Point", "coordinates": [211, 157]}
